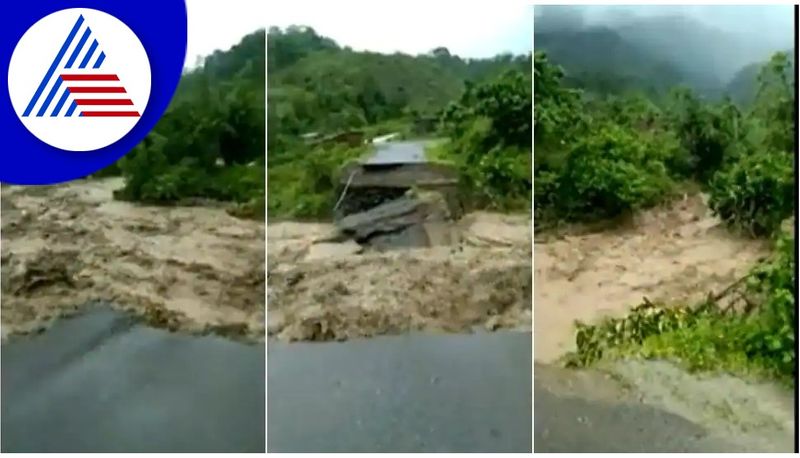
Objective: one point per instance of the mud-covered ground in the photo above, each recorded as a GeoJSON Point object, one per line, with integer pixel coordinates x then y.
{"type": "Point", "coordinates": [676, 255]}
{"type": "Point", "coordinates": [477, 274]}
{"type": "Point", "coordinates": [196, 269]}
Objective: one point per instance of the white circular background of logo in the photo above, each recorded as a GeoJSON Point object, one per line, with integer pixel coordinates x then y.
{"type": "Point", "coordinates": [33, 56]}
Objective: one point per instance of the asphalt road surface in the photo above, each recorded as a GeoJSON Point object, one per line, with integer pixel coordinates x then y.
{"type": "Point", "coordinates": [101, 383]}
{"type": "Point", "coordinates": [579, 425]}
{"type": "Point", "coordinates": [399, 153]}
{"type": "Point", "coordinates": [410, 393]}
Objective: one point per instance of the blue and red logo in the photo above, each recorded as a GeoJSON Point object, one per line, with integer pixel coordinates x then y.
{"type": "Point", "coordinates": [85, 83]}
{"type": "Point", "coordinates": [89, 90]}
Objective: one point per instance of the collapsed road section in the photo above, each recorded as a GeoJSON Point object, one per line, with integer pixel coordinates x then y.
{"type": "Point", "coordinates": [399, 257]}
{"type": "Point", "coordinates": [399, 264]}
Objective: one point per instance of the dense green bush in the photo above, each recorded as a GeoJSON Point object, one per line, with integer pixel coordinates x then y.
{"type": "Point", "coordinates": [557, 107]}
{"type": "Point", "coordinates": [500, 179]}
{"type": "Point", "coordinates": [755, 193]}
{"type": "Point", "coordinates": [772, 337]}
{"type": "Point", "coordinates": [490, 127]}
{"type": "Point", "coordinates": [210, 142]}
{"type": "Point", "coordinates": [306, 187]}
{"type": "Point", "coordinates": [707, 132]}
{"type": "Point", "coordinates": [609, 172]}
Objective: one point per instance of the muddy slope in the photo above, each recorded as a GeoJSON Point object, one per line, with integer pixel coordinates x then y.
{"type": "Point", "coordinates": [478, 273]}
{"type": "Point", "coordinates": [676, 254]}
{"type": "Point", "coordinates": [191, 268]}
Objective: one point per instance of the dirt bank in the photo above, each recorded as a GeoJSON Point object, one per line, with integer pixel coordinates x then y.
{"type": "Point", "coordinates": [190, 268]}
{"type": "Point", "coordinates": [675, 254]}
{"type": "Point", "coordinates": [478, 274]}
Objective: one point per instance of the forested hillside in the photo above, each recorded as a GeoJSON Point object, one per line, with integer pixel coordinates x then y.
{"type": "Point", "coordinates": [318, 87]}
{"type": "Point", "coordinates": [210, 142]}
{"type": "Point", "coordinates": [599, 59]}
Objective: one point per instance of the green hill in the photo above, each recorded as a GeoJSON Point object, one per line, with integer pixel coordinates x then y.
{"type": "Point", "coordinates": [317, 85]}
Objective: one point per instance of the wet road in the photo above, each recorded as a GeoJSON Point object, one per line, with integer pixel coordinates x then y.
{"type": "Point", "coordinates": [413, 393]}
{"type": "Point", "coordinates": [598, 415]}
{"type": "Point", "coordinates": [100, 383]}
{"type": "Point", "coordinates": [412, 152]}
{"type": "Point", "coordinates": [566, 424]}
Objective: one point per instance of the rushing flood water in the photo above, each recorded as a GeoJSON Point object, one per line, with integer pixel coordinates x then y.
{"type": "Point", "coordinates": [676, 255]}
{"type": "Point", "coordinates": [194, 268]}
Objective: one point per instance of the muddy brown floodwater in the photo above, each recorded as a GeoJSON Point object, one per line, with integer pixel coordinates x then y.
{"type": "Point", "coordinates": [196, 269]}
{"type": "Point", "coordinates": [676, 255]}
{"type": "Point", "coordinates": [476, 274]}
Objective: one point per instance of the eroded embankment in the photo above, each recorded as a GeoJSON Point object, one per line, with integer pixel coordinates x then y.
{"type": "Point", "coordinates": [675, 255]}
{"type": "Point", "coordinates": [191, 268]}
{"type": "Point", "coordinates": [477, 273]}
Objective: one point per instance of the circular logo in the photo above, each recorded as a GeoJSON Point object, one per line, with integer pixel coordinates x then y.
{"type": "Point", "coordinates": [79, 79]}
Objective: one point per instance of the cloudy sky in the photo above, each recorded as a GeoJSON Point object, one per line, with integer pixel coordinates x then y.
{"type": "Point", "coordinates": [772, 24]}
{"type": "Point", "coordinates": [414, 26]}
{"type": "Point", "coordinates": [220, 24]}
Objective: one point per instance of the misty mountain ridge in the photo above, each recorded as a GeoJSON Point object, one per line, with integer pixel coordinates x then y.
{"type": "Point", "coordinates": [648, 53]}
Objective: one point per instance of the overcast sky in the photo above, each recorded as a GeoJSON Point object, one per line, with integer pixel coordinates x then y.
{"type": "Point", "coordinates": [220, 24]}
{"type": "Point", "coordinates": [416, 26]}
{"type": "Point", "coordinates": [773, 24]}
{"type": "Point", "coordinates": [479, 29]}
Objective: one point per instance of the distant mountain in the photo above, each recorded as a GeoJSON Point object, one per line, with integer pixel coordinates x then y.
{"type": "Point", "coordinates": [650, 53]}
{"type": "Point", "coordinates": [742, 88]}
{"type": "Point", "coordinates": [600, 59]}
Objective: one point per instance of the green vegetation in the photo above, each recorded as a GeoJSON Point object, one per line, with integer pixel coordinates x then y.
{"type": "Point", "coordinates": [319, 89]}
{"type": "Point", "coordinates": [306, 188]}
{"type": "Point", "coordinates": [210, 142]}
{"type": "Point", "coordinates": [602, 155]}
{"type": "Point", "coordinates": [490, 128]}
